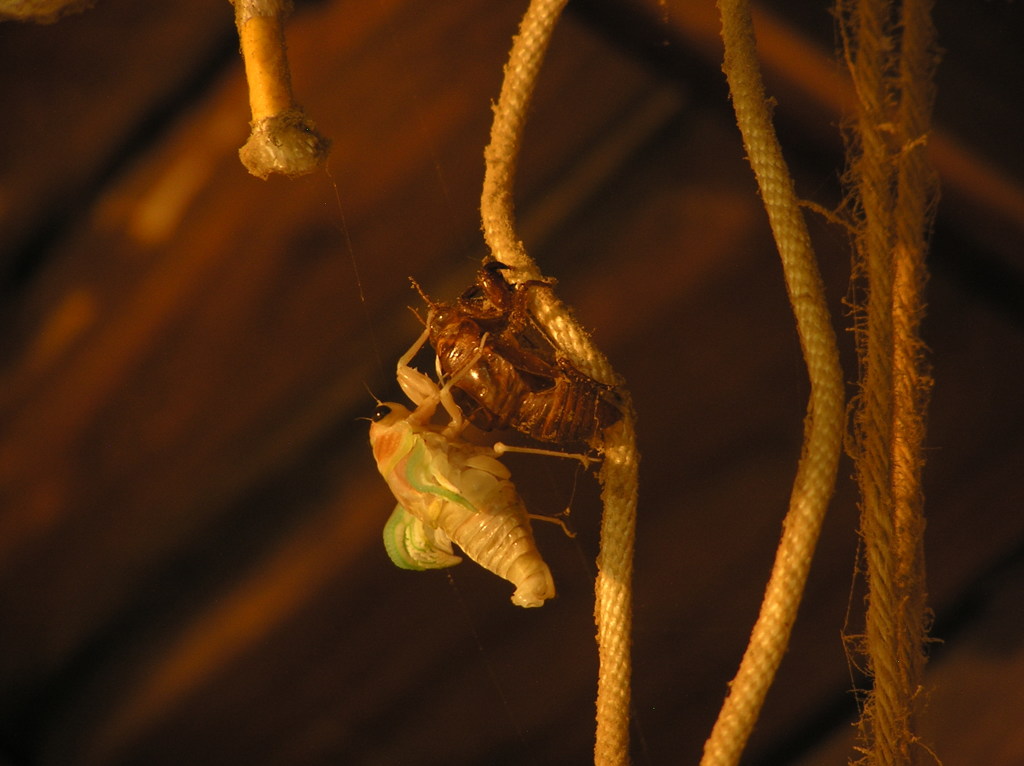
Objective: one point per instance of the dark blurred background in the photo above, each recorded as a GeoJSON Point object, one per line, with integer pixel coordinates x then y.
{"type": "Point", "coordinates": [191, 568]}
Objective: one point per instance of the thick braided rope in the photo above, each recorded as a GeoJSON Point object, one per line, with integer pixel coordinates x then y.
{"type": "Point", "coordinates": [815, 477]}
{"type": "Point", "coordinates": [613, 594]}
{"type": "Point", "coordinates": [896, 192]}
{"type": "Point", "coordinates": [497, 205]}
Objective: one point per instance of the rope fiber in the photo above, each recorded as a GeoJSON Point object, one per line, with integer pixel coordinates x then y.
{"type": "Point", "coordinates": [894, 192]}
{"type": "Point", "coordinates": [890, 52]}
{"type": "Point", "coordinates": [823, 425]}
{"type": "Point", "coordinates": [619, 471]}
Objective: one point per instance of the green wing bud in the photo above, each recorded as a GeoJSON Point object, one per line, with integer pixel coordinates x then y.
{"type": "Point", "coordinates": [411, 544]}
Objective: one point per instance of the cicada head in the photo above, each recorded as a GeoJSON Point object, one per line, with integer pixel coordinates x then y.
{"type": "Point", "coordinates": [387, 414]}
{"type": "Point", "coordinates": [386, 429]}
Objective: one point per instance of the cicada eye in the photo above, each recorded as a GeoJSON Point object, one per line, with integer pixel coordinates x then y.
{"type": "Point", "coordinates": [380, 413]}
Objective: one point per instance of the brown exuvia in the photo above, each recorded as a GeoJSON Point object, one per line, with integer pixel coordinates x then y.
{"type": "Point", "coordinates": [506, 371]}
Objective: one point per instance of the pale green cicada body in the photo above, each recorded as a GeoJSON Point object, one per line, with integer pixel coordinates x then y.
{"type": "Point", "coordinates": [450, 490]}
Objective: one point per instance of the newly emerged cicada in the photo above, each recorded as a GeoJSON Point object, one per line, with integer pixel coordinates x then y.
{"type": "Point", "coordinates": [451, 490]}
{"type": "Point", "coordinates": [506, 372]}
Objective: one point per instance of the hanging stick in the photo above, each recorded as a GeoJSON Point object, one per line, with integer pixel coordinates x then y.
{"type": "Point", "coordinates": [823, 426]}
{"type": "Point", "coordinates": [613, 589]}
{"type": "Point", "coordinates": [283, 139]}
{"type": "Point", "coordinates": [41, 11]}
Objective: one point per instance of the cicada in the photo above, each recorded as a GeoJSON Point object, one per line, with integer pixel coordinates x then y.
{"type": "Point", "coordinates": [507, 373]}
{"type": "Point", "coordinates": [450, 490]}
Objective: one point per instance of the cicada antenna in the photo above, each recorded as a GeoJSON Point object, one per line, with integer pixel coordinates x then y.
{"type": "Point", "coordinates": [426, 298]}
{"type": "Point", "coordinates": [375, 399]}
{"type": "Point", "coordinates": [372, 395]}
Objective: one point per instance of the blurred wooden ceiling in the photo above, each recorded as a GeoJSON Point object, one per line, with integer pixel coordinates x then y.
{"type": "Point", "coordinates": [191, 568]}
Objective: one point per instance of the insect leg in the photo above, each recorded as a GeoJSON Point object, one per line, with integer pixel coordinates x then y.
{"type": "Point", "coordinates": [445, 394]}
{"type": "Point", "coordinates": [420, 389]}
{"type": "Point", "coordinates": [500, 448]}
{"type": "Point", "coordinates": [554, 520]}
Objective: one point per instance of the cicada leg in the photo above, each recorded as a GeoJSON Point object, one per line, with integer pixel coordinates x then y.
{"type": "Point", "coordinates": [500, 448]}
{"type": "Point", "coordinates": [554, 520]}
{"type": "Point", "coordinates": [420, 389]}
{"type": "Point", "coordinates": [445, 393]}
{"type": "Point", "coordinates": [423, 391]}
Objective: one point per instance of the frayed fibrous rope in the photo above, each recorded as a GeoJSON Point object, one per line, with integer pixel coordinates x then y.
{"type": "Point", "coordinates": [891, 57]}
{"type": "Point", "coordinates": [823, 425]}
{"type": "Point", "coordinates": [283, 139]}
{"type": "Point", "coordinates": [613, 595]}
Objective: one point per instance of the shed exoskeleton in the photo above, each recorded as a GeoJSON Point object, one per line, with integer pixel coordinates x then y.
{"type": "Point", "coordinates": [506, 372]}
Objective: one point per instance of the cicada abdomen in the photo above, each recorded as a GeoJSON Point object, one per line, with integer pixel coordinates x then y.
{"type": "Point", "coordinates": [575, 409]}
{"type": "Point", "coordinates": [498, 538]}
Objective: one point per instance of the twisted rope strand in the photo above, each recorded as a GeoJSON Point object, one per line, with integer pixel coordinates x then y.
{"type": "Point", "coordinates": [873, 422]}
{"type": "Point", "coordinates": [916, 198]}
{"type": "Point", "coordinates": [892, 64]}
